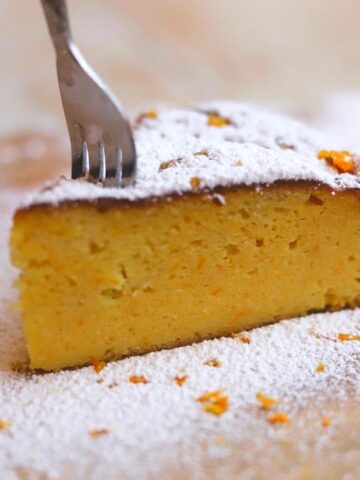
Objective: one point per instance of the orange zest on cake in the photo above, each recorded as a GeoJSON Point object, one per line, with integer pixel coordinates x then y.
{"type": "Point", "coordinates": [138, 379]}
{"type": "Point", "coordinates": [181, 379]}
{"type": "Point", "coordinates": [320, 368]}
{"type": "Point", "coordinates": [214, 402]}
{"type": "Point", "coordinates": [193, 250]}
{"type": "Point", "coordinates": [278, 417]}
{"type": "Point", "coordinates": [267, 402]}
{"type": "Point", "coordinates": [98, 364]}
{"type": "Point", "coordinates": [98, 432]}
{"type": "Point", "coordinates": [213, 363]}
{"type": "Point", "coordinates": [4, 424]}
{"type": "Point", "coordinates": [346, 337]}
{"type": "Point", "coordinates": [216, 120]}
{"type": "Point", "coordinates": [152, 114]}
{"type": "Point", "coordinates": [343, 161]}
{"type": "Point", "coordinates": [325, 421]}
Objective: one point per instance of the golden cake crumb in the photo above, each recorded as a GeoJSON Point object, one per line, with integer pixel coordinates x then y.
{"type": "Point", "coordinates": [181, 379]}
{"type": "Point", "coordinates": [4, 424]}
{"type": "Point", "coordinates": [238, 163]}
{"type": "Point", "coordinates": [266, 402]}
{"type": "Point", "coordinates": [214, 402]}
{"type": "Point", "coordinates": [203, 152]}
{"type": "Point", "coordinates": [98, 432]}
{"type": "Point", "coordinates": [278, 417]}
{"type": "Point", "coordinates": [320, 368]}
{"type": "Point", "coordinates": [138, 379]}
{"type": "Point", "coordinates": [240, 336]}
{"type": "Point", "coordinates": [170, 163]}
{"type": "Point", "coordinates": [213, 363]}
{"type": "Point", "coordinates": [343, 160]}
{"type": "Point", "coordinates": [325, 422]}
{"type": "Point", "coordinates": [98, 364]}
{"type": "Point", "coordinates": [216, 120]}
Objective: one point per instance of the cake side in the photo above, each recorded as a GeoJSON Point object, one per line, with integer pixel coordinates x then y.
{"type": "Point", "coordinates": [117, 281]}
{"type": "Point", "coordinates": [218, 144]}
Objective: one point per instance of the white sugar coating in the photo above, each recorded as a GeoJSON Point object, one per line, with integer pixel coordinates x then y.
{"type": "Point", "coordinates": [254, 148]}
{"type": "Point", "coordinates": [159, 430]}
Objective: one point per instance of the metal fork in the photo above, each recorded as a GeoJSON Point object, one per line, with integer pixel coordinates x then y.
{"type": "Point", "coordinates": [102, 144]}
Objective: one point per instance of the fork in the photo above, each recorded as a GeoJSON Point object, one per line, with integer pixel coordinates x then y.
{"type": "Point", "coordinates": [102, 145]}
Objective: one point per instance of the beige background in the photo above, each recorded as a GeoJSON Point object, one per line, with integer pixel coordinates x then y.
{"type": "Point", "coordinates": [180, 51]}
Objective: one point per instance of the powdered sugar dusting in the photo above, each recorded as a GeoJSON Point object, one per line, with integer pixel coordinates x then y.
{"type": "Point", "coordinates": [159, 430]}
{"type": "Point", "coordinates": [253, 148]}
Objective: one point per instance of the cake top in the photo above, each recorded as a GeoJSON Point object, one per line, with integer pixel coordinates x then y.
{"type": "Point", "coordinates": [218, 144]}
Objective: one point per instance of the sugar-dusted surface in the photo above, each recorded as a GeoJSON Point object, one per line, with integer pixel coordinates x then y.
{"type": "Point", "coordinates": [159, 430]}
{"type": "Point", "coordinates": [253, 148]}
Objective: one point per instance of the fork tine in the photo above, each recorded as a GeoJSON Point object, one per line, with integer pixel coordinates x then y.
{"type": "Point", "coordinates": [94, 163]}
{"type": "Point", "coordinates": [85, 160]}
{"type": "Point", "coordinates": [128, 160]}
{"type": "Point", "coordinates": [102, 163]}
{"type": "Point", "coordinates": [77, 159]}
{"type": "Point", "coordinates": [118, 167]}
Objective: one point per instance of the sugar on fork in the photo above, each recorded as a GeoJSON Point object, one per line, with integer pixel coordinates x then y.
{"type": "Point", "coordinates": [102, 145]}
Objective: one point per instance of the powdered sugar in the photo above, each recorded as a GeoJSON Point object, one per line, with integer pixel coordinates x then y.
{"type": "Point", "coordinates": [253, 148]}
{"type": "Point", "coordinates": [159, 430]}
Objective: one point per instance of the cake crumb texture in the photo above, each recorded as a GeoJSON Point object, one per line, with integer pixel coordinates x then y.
{"type": "Point", "coordinates": [159, 430]}
{"type": "Point", "coordinates": [117, 280]}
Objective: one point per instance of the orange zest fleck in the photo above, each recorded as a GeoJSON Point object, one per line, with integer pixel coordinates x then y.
{"type": "Point", "coordinates": [342, 160]}
{"type": "Point", "coordinates": [97, 364]}
{"type": "Point", "coordinates": [266, 402]}
{"type": "Point", "coordinates": [98, 432]}
{"type": "Point", "coordinates": [152, 113]}
{"type": "Point", "coordinates": [320, 368]}
{"type": "Point", "coordinates": [325, 422]}
{"type": "Point", "coordinates": [214, 402]}
{"type": "Point", "coordinates": [213, 363]}
{"type": "Point", "coordinates": [345, 337]}
{"type": "Point", "coordinates": [195, 183]}
{"type": "Point", "coordinates": [278, 417]}
{"type": "Point", "coordinates": [4, 424]}
{"type": "Point", "coordinates": [181, 379]}
{"type": "Point", "coordinates": [216, 120]}
{"type": "Point", "coordinates": [138, 379]}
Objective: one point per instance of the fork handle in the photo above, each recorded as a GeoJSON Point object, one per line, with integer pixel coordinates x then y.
{"type": "Point", "coordinates": [58, 23]}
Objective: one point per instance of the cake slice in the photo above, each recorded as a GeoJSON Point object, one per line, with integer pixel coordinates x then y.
{"type": "Point", "coordinates": [237, 219]}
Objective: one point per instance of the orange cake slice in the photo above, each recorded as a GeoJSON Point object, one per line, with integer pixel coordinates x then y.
{"type": "Point", "coordinates": [237, 218]}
